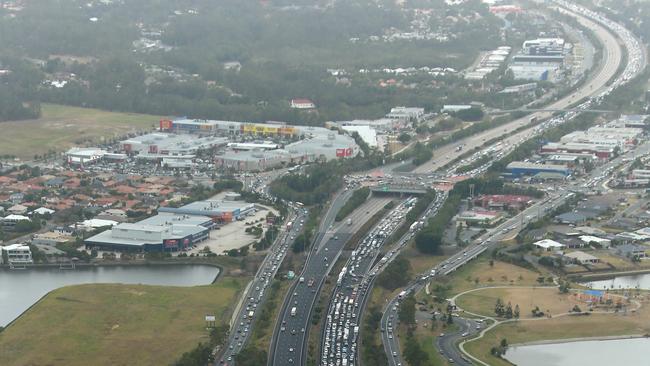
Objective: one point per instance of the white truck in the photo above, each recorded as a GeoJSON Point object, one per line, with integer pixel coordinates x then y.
{"type": "Point", "coordinates": [293, 311]}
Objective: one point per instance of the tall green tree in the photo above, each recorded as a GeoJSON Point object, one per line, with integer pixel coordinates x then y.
{"type": "Point", "coordinates": [406, 312]}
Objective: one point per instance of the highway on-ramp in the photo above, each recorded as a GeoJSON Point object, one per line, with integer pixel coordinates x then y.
{"type": "Point", "coordinates": [597, 86]}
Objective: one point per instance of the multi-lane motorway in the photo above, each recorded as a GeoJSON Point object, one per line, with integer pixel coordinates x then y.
{"type": "Point", "coordinates": [509, 228]}
{"type": "Point", "coordinates": [612, 58]}
{"type": "Point", "coordinates": [254, 294]}
{"type": "Point", "coordinates": [341, 328]}
{"type": "Point", "coordinates": [289, 343]}
{"type": "Point", "coordinates": [596, 87]}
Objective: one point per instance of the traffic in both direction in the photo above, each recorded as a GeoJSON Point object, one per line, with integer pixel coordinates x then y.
{"type": "Point", "coordinates": [243, 319]}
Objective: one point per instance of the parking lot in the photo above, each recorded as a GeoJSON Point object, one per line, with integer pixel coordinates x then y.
{"type": "Point", "coordinates": [233, 235]}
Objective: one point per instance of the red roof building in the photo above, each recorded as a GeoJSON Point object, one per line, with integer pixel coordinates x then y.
{"type": "Point", "coordinates": [301, 103]}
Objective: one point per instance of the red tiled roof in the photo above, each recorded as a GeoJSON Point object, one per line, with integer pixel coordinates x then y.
{"type": "Point", "coordinates": [125, 189]}
{"type": "Point", "coordinates": [301, 101]}
{"type": "Point", "coordinates": [6, 180]}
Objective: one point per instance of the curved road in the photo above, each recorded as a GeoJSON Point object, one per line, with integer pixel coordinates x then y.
{"type": "Point", "coordinates": [597, 86]}
{"type": "Point", "coordinates": [495, 322]}
{"type": "Point", "coordinates": [612, 58]}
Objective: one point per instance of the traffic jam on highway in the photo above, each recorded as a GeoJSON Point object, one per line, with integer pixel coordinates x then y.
{"type": "Point", "coordinates": [340, 334]}
{"type": "Point", "coordinates": [339, 344]}
{"type": "Point", "coordinates": [241, 325]}
{"type": "Point", "coordinates": [290, 334]}
{"type": "Point", "coordinates": [635, 64]}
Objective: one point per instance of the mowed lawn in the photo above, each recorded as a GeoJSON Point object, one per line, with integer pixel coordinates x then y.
{"type": "Point", "coordinates": [117, 324]}
{"type": "Point", "coordinates": [61, 127]}
{"type": "Point", "coordinates": [479, 273]}
{"type": "Point", "coordinates": [549, 300]}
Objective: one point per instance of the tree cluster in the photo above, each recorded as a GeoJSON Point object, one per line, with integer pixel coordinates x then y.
{"type": "Point", "coordinates": [414, 354]}
{"type": "Point", "coordinates": [313, 187]}
{"type": "Point", "coordinates": [202, 353]}
{"type": "Point", "coordinates": [501, 349]}
{"type": "Point", "coordinates": [283, 54]}
{"type": "Point", "coordinates": [373, 352]}
{"type": "Point", "coordinates": [397, 274]}
{"type": "Point", "coordinates": [406, 313]}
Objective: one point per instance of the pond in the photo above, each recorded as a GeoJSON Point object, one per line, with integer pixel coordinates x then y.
{"type": "Point", "coordinates": [642, 281]}
{"type": "Point", "coordinates": [592, 353]}
{"type": "Point", "coordinates": [20, 289]}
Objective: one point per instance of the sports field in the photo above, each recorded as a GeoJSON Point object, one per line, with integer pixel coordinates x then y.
{"type": "Point", "coordinates": [61, 127]}
{"type": "Point", "coordinates": [117, 324]}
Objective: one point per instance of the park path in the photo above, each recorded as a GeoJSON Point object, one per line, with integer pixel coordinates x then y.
{"type": "Point", "coordinates": [496, 322]}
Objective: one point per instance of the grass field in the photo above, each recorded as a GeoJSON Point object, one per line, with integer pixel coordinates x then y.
{"type": "Point", "coordinates": [116, 324]}
{"type": "Point", "coordinates": [427, 338]}
{"type": "Point", "coordinates": [61, 127]}
{"type": "Point", "coordinates": [549, 300]}
{"type": "Point", "coordinates": [421, 263]}
{"type": "Point", "coordinates": [261, 336]}
{"type": "Point", "coordinates": [479, 273]}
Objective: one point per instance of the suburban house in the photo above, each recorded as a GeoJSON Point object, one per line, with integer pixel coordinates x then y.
{"type": "Point", "coordinates": [10, 221]}
{"type": "Point", "coordinates": [18, 209]}
{"type": "Point", "coordinates": [632, 250]}
{"type": "Point", "coordinates": [302, 103]}
{"type": "Point", "coordinates": [17, 254]}
{"type": "Point", "coordinates": [580, 257]}
{"type": "Point", "coordinates": [588, 239]}
{"type": "Point", "coordinates": [572, 218]}
{"type": "Point", "coordinates": [549, 245]}
{"type": "Point", "coordinates": [43, 211]}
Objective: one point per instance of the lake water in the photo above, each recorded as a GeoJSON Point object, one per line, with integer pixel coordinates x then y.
{"type": "Point", "coordinates": [628, 352]}
{"type": "Point", "coordinates": [642, 281]}
{"type": "Point", "coordinates": [20, 289]}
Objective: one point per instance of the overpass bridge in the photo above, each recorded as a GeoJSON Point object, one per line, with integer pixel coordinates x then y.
{"type": "Point", "coordinates": [398, 189]}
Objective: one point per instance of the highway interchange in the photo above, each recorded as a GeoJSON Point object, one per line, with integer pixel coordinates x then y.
{"type": "Point", "coordinates": [508, 229]}
{"type": "Point", "coordinates": [597, 86]}
{"type": "Point", "coordinates": [289, 343]}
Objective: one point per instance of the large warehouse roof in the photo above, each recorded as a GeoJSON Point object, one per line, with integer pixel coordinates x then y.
{"type": "Point", "coordinates": [209, 208]}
